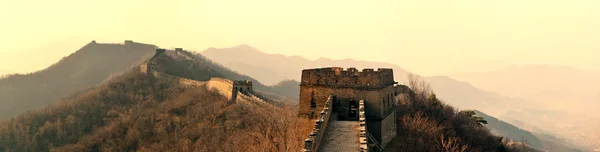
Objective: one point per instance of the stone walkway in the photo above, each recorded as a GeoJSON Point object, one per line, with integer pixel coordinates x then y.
{"type": "Point", "coordinates": [340, 136]}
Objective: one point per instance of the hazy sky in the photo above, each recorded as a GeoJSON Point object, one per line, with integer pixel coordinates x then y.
{"type": "Point", "coordinates": [424, 36]}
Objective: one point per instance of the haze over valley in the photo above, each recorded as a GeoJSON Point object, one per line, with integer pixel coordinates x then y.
{"type": "Point", "coordinates": [573, 119]}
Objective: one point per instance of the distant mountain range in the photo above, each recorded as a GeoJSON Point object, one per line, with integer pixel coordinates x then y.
{"type": "Point", "coordinates": [272, 68]}
{"type": "Point", "coordinates": [536, 139]}
{"type": "Point", "coordinates": [571, 97]}
{"type": "Point", "coordinates": [554, 85]}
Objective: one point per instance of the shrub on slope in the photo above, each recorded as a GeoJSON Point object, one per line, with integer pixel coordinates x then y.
{"type": "Point", "coordinates": [139, 113]}
{"type": "Point", "coordinates": [427, 124]}
{"type": "Point", "coordinates": [87, 67]}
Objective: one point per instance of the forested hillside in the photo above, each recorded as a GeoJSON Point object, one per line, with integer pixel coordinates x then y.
{"type": "Point", "coordinates": [427, 124]}
{"type": "Point", "coordinates": [87, 67]}
{"type": "Point", "coordinates": [135, 112]}
{"type": "Point", "coordinates": [96, 63]}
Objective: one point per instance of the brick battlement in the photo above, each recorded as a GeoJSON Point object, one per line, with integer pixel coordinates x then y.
{"type": "Point", "coordinates": [242, 83]}
{"type": "Point", "coordinates": [350, 77]}
{"type": "Point", "coordinates": [241, 86]}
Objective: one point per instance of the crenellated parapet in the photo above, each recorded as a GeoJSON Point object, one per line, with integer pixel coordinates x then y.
{"type": "Point", "coordinates": [242, 82]}
{"type": "Point", "coordinates": [158, 53]}
{"type": "Point", "coordinates": [151, 65]}
{"type": "Point", "coordinates": [362, 119]}
{"type": "Point", "coordinates": [348, 78]}
{"type": "Point", "coordinates": [241, 86]}
{"type": "Point", "coordinates": [311, 144]}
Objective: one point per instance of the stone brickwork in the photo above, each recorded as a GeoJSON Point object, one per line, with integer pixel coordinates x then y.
{"type": "Point", "coordinates": [128, 42]}
{"type": "Point", "coordinates": [241, 86]}
{"type": "Point", "coordinates": [144, 68]}
{"type": "Point", "coordinates": [149, 67]}
{"type": "Point", "coordinates": [347, 87]}
{"type": "Point", "coordinates": [388, 126]}
{"type": "Point", "coordinates": [349, 78]}
{"type": "Point", "coordinates": [364, 140]}
{"type": "Point", "coordinates": [311, 144]}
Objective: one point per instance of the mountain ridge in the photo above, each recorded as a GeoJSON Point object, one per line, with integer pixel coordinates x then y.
{"type": "Point", "coordinates": [569, 94]}
{"type": "Point", "coordinates": [230, 57]}
{"type": "Point", "coordinates": [252, 61]}
{"type": "Point", "coordinates": [544, 83]}
{"type": "Point", "coordinates": [146, 112]}
{"type": "Point", "coordinates": [88, 66]}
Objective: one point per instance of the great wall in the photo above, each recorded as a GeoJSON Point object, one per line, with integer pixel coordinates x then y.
{"type": "Point", "coordinates": [356, 108]}
{"type": "Point", "coordinates": [238, 91]}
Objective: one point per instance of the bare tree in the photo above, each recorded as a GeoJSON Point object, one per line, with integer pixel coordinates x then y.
{"type": "Point", "coordinates": [420, 89]}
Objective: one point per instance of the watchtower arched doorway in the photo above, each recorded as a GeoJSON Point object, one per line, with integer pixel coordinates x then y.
{"type": "Point", "coordinates": [313, 102]}
{"type": "Point", "coordinates": [352, 110]}
{"type": "Point", "coordinates": [313, 105]}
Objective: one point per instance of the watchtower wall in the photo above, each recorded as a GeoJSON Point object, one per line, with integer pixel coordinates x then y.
{"type": "Point", "coordinates": [148, 68]}
{"type": "Point", "coordinates": [347, 87]}
{"type": "Point", "coordinates": [240, 86]}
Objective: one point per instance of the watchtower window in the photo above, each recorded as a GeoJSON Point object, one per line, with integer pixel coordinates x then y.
{"type": "Point", "coordinates": [390, 100]}
{"type": "Point", "coordinates": [384, 103]}
{"type": "Point", "coordinates": [313, 103]}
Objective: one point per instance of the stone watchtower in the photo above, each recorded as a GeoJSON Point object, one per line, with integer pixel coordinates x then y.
{"type": "Point", "coordinates": [149, 67]}
{"type": "Point", "coordinates": [241, 86]}
{"type": "Point", "coordinates": [347, 87]}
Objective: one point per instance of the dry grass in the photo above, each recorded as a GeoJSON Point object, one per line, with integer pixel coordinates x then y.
{"type": "Point", "coordinates": [137, 113]}
{"type": "Point", "coordinates": [427, 124]}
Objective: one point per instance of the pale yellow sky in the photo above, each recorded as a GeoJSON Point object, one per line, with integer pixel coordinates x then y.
{"type": "Point", "coordinates": [428, 37]}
